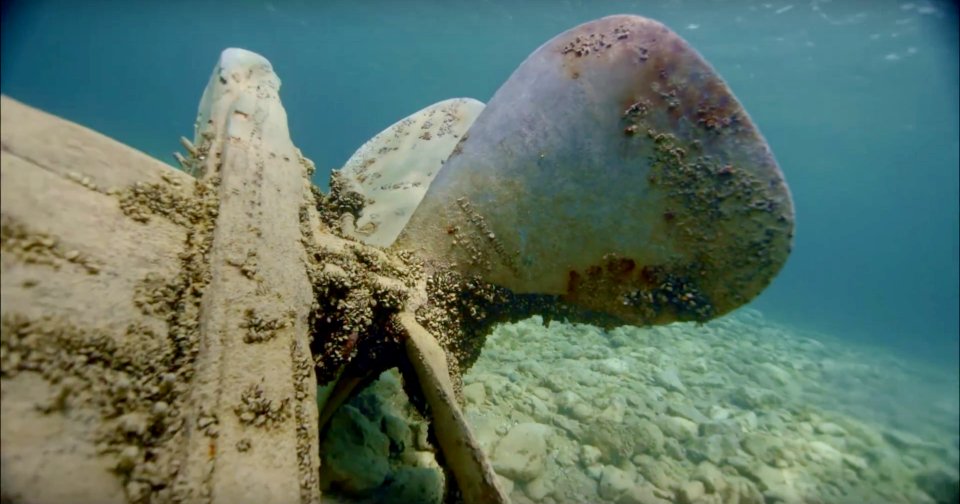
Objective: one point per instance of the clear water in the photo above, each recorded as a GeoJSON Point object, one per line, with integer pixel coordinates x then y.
{"type": "Point", "coordinates": [858, 99]}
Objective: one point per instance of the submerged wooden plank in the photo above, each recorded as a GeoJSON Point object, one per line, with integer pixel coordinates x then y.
{"type": "Point", "coordinates": [155, 327]}
{"type": "Point", "coordinates": [255, 376]}
{"type": "Point", "coordinates": [77, 152]}
{"type": "Point", "coordinates": [73, 270]}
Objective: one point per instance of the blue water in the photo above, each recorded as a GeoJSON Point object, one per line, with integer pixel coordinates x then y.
{"type": "Point", "coordinates": [858, 99]}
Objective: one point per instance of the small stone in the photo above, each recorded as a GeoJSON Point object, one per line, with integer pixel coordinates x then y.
{"type": "Point", "coordinates": [688, 411]}
{"type": "Point", "coordinates": [778, 375]}
{"type": "Point", "coordinates": [690, 492]}
{"type": "Point", "coordinates": [613, 413]}
{"type": "Point", "coordinates": [748, 421]}
{"type": "Point", "coordinates": [711, 476]}
{"type": "Point", "coordinates": [830, 429]}
{"type": "Point", "coordinates": [538, 488]}
{"type": "Point", "coordinates": [613, 366]}
{"type": "Point", "coordinates": [755, 398]}
{"type": "Point", "coordinates": [520, 454]}
{"type": "Point", "coordinates": [903, 440]}
{"type": "Point", "coordinates": [589, 455]}
{"type": "Point", "coordinates": [820, 451]}
{"type": "Point", "coordinates": [649, 437]}
{"type": "Point", "coordinates": [159, 408]}
{"type": "Point", "coordinates": [614, 482]}
{"type": "Point", "coordinates": [653, 470]}
{"type": "Point", "coordinates": [713, 448]}
{"type": "Point", "coordinates": [642, 494]}
{"type": "Point", "coordinates": [721, 427]}
{"type": "Point", "coordinates": [678, 428]}
{"type": "Point", "coordinates": [669, 379]}
{"type": "Point", "coordinates": [475, 393]}
{"type": "Point", "coordinates": [763, 446]}
{"type": "Point", "coordinates": [506, 483]}
{"type": "Point", "coordinates": [582, 412]}
{"type": "Point", "coordinates": [595, 471]}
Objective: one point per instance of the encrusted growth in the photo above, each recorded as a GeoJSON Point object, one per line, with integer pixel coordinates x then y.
{"type": "Point", "coordinates": [248, 266]}
{"type": "Point", "coordinates": [340, 201]}
{"type": "Point", "coordinates": [258, 411]}
{"type": "Point", "coordinates": [33, 247]}
{"type": "Point", "coordinates": [357, 293]}
{"type": "Point", "coordinates": [138, 389]}
{"type": "Point", "coordinates": [259, 328]}
{"type": "Point", "coordinates": [143, 200]}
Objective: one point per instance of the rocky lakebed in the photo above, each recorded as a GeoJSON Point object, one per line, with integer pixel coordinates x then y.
{"type": "Point", "coordinates": [738, 410]}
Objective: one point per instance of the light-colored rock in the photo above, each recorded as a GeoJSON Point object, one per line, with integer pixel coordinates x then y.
{"type": "Point", "coordinates": [678, 428]}
{"type": "Point", "coordinates": [589, 455]}
{"type": "Point", "coordinates": [856, 462]}
{"type": "Point", "coordinates": [538, 488]}
{"type": "Point", "coordinates": [765, 447]}
{"type": "Point", "coordinates": [748, 421]}
{"type": "Point", "coordinates": [690, 492]}
{"type": "Point", "coordinates": [642, 494]}
{"type": "Point", "coordinates": [475, 393]}
{"type": "Point", "coordinates": [711, 476]}
{"type": "Point", "coordinates": [613, 366]}
{"type": "Point", "coordinates": [654, 472]}
{"type": "Point", "coordinates": [775, 372]}
{"type": "Point", "coordinates": [713, 448]}
{"type": "Point", "coordinates": [718, 412]}
{"type": "Point", "coordinates": [595, 471]}
{"type": "Point", "coordinates": [742, 491]}
{"type": "Point", "coordinates": [614, 482]}
{"type": "Point", "coordinates": [688, 411]}
{"type": "Point", "coordinates": [777, 484]}
{"type": "Point", "coordinates": [669, 379]}
{"type": "Point", "coordinates": [649, 437]}
{"type": "Point", "coordinates": [614, 412]}
{"type": "Point", "coordinates": [520, 454]}
{"type": "Point", "coordinates": [830, 429]}
{"type": "Point", "coordinates": [506, 483]}
{"type": "Point", "coordinates": [582, 412]}
{"type": "Point", "coordinates": [728, 428]}
{"type": "Point", "coordinates": [822, 452]}
{"type": "Point", "coordinates": [755, 398]}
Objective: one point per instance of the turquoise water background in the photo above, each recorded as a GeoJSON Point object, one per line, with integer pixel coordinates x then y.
{"type": "Point", "coordinates": [858, 99]}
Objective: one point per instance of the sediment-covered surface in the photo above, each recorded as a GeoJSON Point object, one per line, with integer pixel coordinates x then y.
{"type": "Point", "coordinates": [740, 409]}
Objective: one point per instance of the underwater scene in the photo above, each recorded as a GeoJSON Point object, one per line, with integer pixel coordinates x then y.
{"type": "Point", "coordinates": [632, 252]}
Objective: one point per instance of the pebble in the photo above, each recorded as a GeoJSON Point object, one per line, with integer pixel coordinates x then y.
{"type": "Point", "coordinates": [688, 411]}
{"type": "Point", "coordinates": [537, 489]}
{"type": "Point", "coordinates": [589, 455]}
{"type": "Point", "coordinates": [614, 482]}
{"type": "Point", "coordinates": [475, 393]}
{"type": "Point", "coordinates": [830, 429]}
{"type": "Point", "coordinates": [669, 379]}
{"type": "Point", "coordinates": [690, 492]}
{"type": "Point", "coordinates": [679, 428]}
{"type": "Point", "coordinates": [520, 454]}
